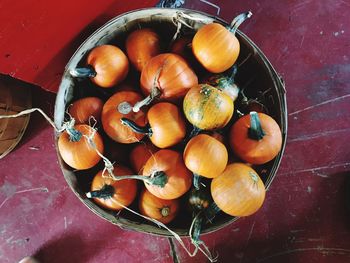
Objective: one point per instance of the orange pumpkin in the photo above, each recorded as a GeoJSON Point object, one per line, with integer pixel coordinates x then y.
{"type": "Point", "coordinates": [178, 177]}
{"type": "Point", "coordinates": [108, 66]}
{"type": "Point", "coordinates": [216, 47]}
{"type": "Point", "coordinates": [141, 46]}
{"type": "Point", "coordinates": [207, 108]}
{"type": "Point", "coordinates": [166, 125]}
{"type": "Point", "coordinates": [166, 76]}
{"type": "Point", "coordinates": [256, 138]}
{"type": "Point", "coordinates": [205, 156]}
{"type": "Point", "coordinates": [83, 109]}
{"type": "Point", "coordinates": [238, 191]}
{"type": "Point", "coordinates": [109, 193]}
{"type": "Point", "coordinates": [140, 155]}
{"type": "Point", "coordinates": [162, 210]}
{"type": "Point", "coordinates": [76, 150]}
{"type": "Point", "coordinates": [119, 106]}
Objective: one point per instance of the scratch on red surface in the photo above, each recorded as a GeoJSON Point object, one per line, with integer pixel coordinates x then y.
{"type": "Point", "coordinates": [250, 233]}
{"type": "Point", "coordinates": [43, 189]}
{"type": "Point", "coordinates": [324, 251]}
{"type": "Point", "coordinates": [302, 41]}
{"type": "Point", "coordinates": [316, 135]}
{"type": "Point", "coordinates": [319, 104]}
{"type": "Point", "coordinates": [316, 169]}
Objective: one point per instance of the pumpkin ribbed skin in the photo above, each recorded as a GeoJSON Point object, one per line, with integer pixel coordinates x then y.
{"type": "Point", "coordinates": [125, 190]}
{"type": "Point", "coordinates": [167, 124]}
{"type": "Point", "coordinates": [83, 109]}
{"type": "Point", "coordinates": [205, 156]}
{"type": "Point", "coordinates": [80, 154]}
{"type": "Point", "coordinates": [111, 117]}
{"type": "Point", "coordinates": [110, 63]}
{"type": "Point", "coordinates": [140, 155]}
{"type": "Point", "coordinates": [215, 47]}
{"type": "Point", "coordinates": [238, 191]}
{"type": "Point", "coordinates": [162, 210]}
{"type": "Point", "coordinates": [175, 76]}
{"type": "Point", "coordinates": [207, 107]}
{"type": "Point", "coordinates": [141, 46]}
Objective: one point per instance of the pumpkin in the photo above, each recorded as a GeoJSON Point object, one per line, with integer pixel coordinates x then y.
{"type": "Point", "coordinates": [216, 47]}
{"type": "Point", "coordinates": [83, 109]}
{"type": "Point", "coordinates": [162, 210]}
{"type": "Point", "coordinates": [141, 46]}
{"type": "Point", "coordinates": [207, 108]}
{"type": "Point", "coordinates": [140, 154]}
{"type": "Point", "coordinates": [238, 191]}
{"type": "Point", "coordinates": [225, 83]}
{"type": "Point", "coordinates": [117, 107]}
{"type": "Point", "coordinates": [199, 199]}
{"type": "Point", "coordinates": [166, 126]}
{"type": "Point", "coordinates": [166, 76]}
{"type": "Point", "coordinates": [205, 156]}
{"type": "Point", "coordinates": [170, 164]}
{"type": "Point", "coordinates": [76, 150]}
{"type": "Point", "coordinates": [182, 47]}
{"type": "Point", "coordinates": [256, 138]}
{"type": "Point", "coordinates": [108, 66]}
{"type": "Point", "coordinates": [109, 193]}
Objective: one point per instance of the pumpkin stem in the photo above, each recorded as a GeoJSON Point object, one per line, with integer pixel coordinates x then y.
{"type": "Point", "coordinates": [195, 131]}
{"type": "Point", "coordinates": [231, 79]}
{"type": "Point", "coordinates": [107, 191]}
{"type": "Point", "coordinates": [74, 135]}
{"type": "Point", "coordinates": [136, 128]}
{"type": "Point", "coordinates": [196, 181]}
{"type": "Point", "coordinates": [155, 93]}
{"type": "Point", "coordinates": [124, 107]}
{"type": "Point", "coordinates": [255, 131]}
{"type": "Point", "coordinates": [211, 211]}
{"type": "Point", "coordinates": [165, 211]}
{"type": "Point", "coordinates": [238, 20]}
{"type": "Point", "coordinates": [195, 229]}
{"type": "Point", "coordinates": [158, 178]}
{"type": "Point", "coordinates": [87, 72]}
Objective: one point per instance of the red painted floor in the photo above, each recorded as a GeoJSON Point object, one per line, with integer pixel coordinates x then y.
{"type": "Point", "coordinates": [305, 216]}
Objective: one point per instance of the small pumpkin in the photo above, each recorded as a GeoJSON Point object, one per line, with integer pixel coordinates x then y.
{"type": "Point", "coordinates": [207, 108]}
{"type": "Point", "coordinates": [162, 210]}
{"type": "Point", "coordinates": [166, 76]}
{"type": "Point", "coordinates": [140, 154]}
{"type": "Point", "coordinates": [107, 66]}
{"type": "Point", "coordinates": [166, 126]}
{"type": "Point", "coordinates": [83, 109]}
{"type": "Point", "coordinates": [111, 194]}
{"type": "Point", "coordinates": [226, 83]}
{"type": "Point", "coordinates": [141, 46]}
{"type": "Point", "coordinates": [117, 107]}
{"type": "Point", "coordinates": [216, 47]}
{"type": "Point", "coordinates": [76, 150]}
{"type": "Point", "coordinates": [199, 199]}
{"type": "Point", "coordinates": [256, 138]}
{"type": "Point", "coordinates": [205, 156]}
{"type": "Point", "coordinates": [238, 191]}
{"type": "Point", "coordinates": [171, 165]}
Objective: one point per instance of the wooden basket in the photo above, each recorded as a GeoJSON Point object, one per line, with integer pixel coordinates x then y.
{"type": "Point", "coordinates": [14, 97]}
{"type": "Point", "coordinates": [266, 81]}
